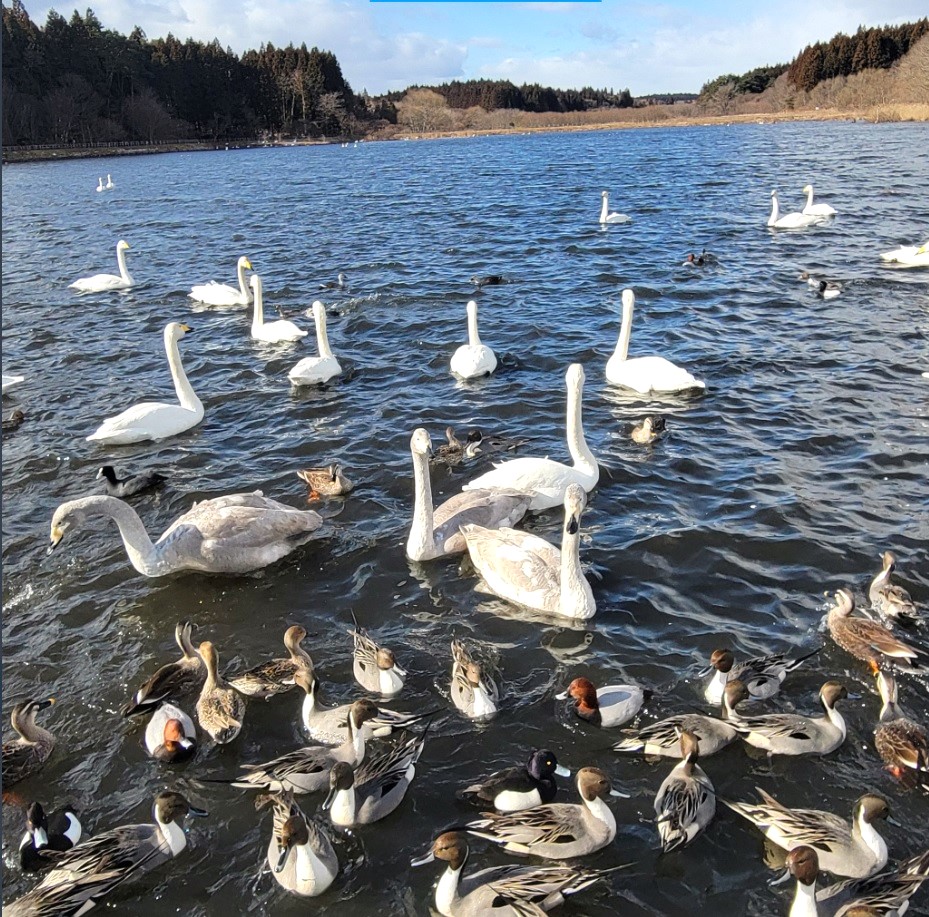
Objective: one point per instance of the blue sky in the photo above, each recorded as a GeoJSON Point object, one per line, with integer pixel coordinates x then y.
{"type": "Point", "coordinates": [645, 47]}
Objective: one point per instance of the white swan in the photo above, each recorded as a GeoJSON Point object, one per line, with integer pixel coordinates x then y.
{"type": "Point", "coordinates": [435, 532]}
{"type": "Point", "coordinates": [236, 533]}
{"type": "Point", "coordinates": [474, 358]}
{"type": "Point", "coordinates": [316, 370]}
{"type": "Point", "coordinates": [109, 182]}
{"type": "Point", "coordinates": [154, 420]}
{"type": "Point", "coordinates": [221, 294]}
{"type": "Point", "coordinates": [644, 374]}
{"type": "Point", "coordinates": [101, 282]}
{"type": "Point", "coordinates": [11, 381]}
{"type": "Point", "coordinates": [816, 210]}
{"type": "Point", "coordinates": [606, 217]}
{"type": "Point", "coordinates": [100, 185]}
{"type": "Point", "coordinates": [545, 479]}
{"type": "Point", "coordinates": [277, 332]}
{"type": "Point", "coordinates": [909, 255]}
{"type": "Point", "coordinates": [529, 571]}
{"type": "Point", "coordinates": [794, 220]}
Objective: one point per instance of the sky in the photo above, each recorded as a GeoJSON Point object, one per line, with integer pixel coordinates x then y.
{"type": "Point", "coordinates": [646, 47]}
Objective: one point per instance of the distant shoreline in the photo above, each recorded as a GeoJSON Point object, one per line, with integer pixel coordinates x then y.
{"type": "Point", "coordinates": [913, 113]}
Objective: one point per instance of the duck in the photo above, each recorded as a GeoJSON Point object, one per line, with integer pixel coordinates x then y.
{"type": "Point", "coordinates": [340, 283]}
{"type": "Point", "coordinates": [128, 487]}
{"type": "Point", "coordinates": [235, 533]}
{"type": "Point", "coordinates": [171, 679]}
{"type": "Point", "coordinates": [277, 675]}
{"type": "Point", "coordinates": [816, 210]}
{"type": "Point", "coordinates": [870, 641]}
{"type": "Point", "coordinates": [501, 891]}
{"type": "Point", "coordinates": [454, 451]}
{"type": "Point", "coordinates": [474, 358]}
{"type": "Point", "coordinates": [279, 332]}
{"type": "Point", "coordinates": [110, 184]}
{"type": "Point", "coordinates": [89, 871]}
{"type": "Point", "coordinates": [648, 431]}
{"type": "Point", "coordinates": [854, 850]}
{"type": "Point", "coordinates": [828, 289]}
{"type": "Point", "coordinates": [473, 691]}
{"type": "Point", "coordinates": [795, 220]}
{"type": "Point", "coordinates": [100, 283]}
{"type": "Point", "coordinates": [306, 770]}
{"type": "Point", "coordinates": [902, 743]}
{"type": "Point", "coordinates": [300, 853]}
{"type": "Point", "coordinates": [488, 280]}
{"type": "Point", "coordinates": [529, 571]}
{"type": "Point", "coordinates": [316, 370]}
{"type": "Point", "coordinates": [609, 706]}
{"type": "Point", "coordinates": [892, 602]}
{"type": "Point", "coordinates": [170, 736]}
{"type": "Point", "coordinates": [222, 294]}
{"type": "Point", "coordinates": [693, 260]}
{"type": "Point", "coordinates": [663, 738]}
{"type": "Point", "coordinates": [645, 375]}
{"type": "Point", "coordinates": [436, 532]}
{"type": "Point", "coordinates": [59, 831]}
{"type": "Point", "coordinates": [686, 800]}
{"type": "Point", "coordinates": [909, 255]}
{"type": "Point", "coordinates": [156, 420]}
{"type": "Point", "coordinates": [13, 420]}
{"type": "Point", "coordinates": [375, 667]}
{"type": "Point", "coordinates": [326, 482]}
{"type": "Point", "coordinates": [545, 479]}
{"type": "Point", "coordinates": [100, 185]}
{"type": "Point", "coordinates": [761, 675]}
{"type": "Point", "coordinates": [791, 733]}
{"type": "Point", "coordinates": [606, 216]}
{"type": "Point", "coordinates": [557, 830]}
{"type": "Point", "coordinates": [26, 755]}
{"type": "Point", "coordinates": [516, 788]}
{"type": "Point", "coordinates": [220, 708]}
{"type": "Point", "coordinates": [810, 280]}
{"type": "Point", "coordinates": [11, 381]}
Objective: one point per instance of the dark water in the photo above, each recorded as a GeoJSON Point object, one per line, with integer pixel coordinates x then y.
{"type": "Point", "coordinates": [806, 457]}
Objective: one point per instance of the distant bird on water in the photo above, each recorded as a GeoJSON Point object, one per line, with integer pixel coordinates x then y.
{"type": "Point", "coordinates": [341, 283]}
{"type": "Point", "coordinates": [488, 280]}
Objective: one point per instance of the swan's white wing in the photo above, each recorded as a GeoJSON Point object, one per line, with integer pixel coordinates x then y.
{"type": "Point", "coordinates": [651, 374]}
{"type": "Point", "coordinates": [218, 294]}
{"type": "Point", "coordinates": [488, 508]}
{"type": "Point", "coordinates": [99, 283]}
{"type": "Point", "coordinates": [279, 332]}
{"type": "Point", "coordinates": [143, 421]}
{"type": "Point", "coordinates": [468, 361]}
{"type": "Point", "coordinates": [545, 479]}
{"type": "Point", "coordinates": [314, 370]}
{"type": "Point", "coordinates": [10, 381]}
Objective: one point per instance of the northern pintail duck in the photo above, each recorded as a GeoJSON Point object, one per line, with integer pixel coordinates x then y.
{"type": "Point", "coordinates": [500, 891]}
{"type": "Point", "coordinates": [846, 850]}
{"type": "Point", "coordinates": [300, 853]}
{"type": "Point", "coordinates": [791, 733]}
{"type": "Point", "coordinates": [761, 675]}
{"type": "Point", "coordinates": [375, 667]}
{"type": "Point", "coordinates": [870, 641]}
{"type": "Point", "coordinates": [27, 754]}
{"type": "Point", "coordinates": [892, 602]}
{"type": "Point", "coordinates": [530, 571]}
{"type": "Point", "coordinates": [518, 788]}
{"type": "Point", "coordinates": [171, 679]}
{"type": "Point", "coordinates": [128, 487]}
{"type": "Point", "coordinates": [686, 800]}
{"type": "Point", "coordinates": [88, 872]}
{"type": "Point", "coordinates": [326, 482]}
{"type": "Point", "coordinates": [454, 451]}
{"type": "Point", "coordinates": [306, 770]}
{"type": "Point", "coordinates": [60, 830]}
{"type": "Point", "coordinates": [648, 431]}
{"type": "Point", "coordinates": [376, 788]}
{"type": "Point", "coordinates": [902, 743]}
{"type": "Point", "coordinates": [276, 675]}
{"type": "Point", "coordinates": [473, 691]}
{"type": "Point", "coordinates": [611, 705]}
{"type": "Point", "coordinates": [663, 737]}
{"type": "Point", "coordinates": [170, 735]}
{"type": "Point", "coordinates": [557, 831]}
{"type": "Point", "coordinates": [220, 709]}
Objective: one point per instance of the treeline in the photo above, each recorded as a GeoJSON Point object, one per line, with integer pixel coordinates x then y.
{"type": "Point", "coordinates": [74, 81]}
{"type": "Point", "coordinates": [755, 81]}
{"type": "Point", "coordinates": [492, 95]}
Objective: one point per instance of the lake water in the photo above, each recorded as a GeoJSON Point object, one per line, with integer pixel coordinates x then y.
{"type": "Point", "coordinates": [806, 458]}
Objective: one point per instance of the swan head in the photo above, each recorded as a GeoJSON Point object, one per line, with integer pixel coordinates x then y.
{"type": "Point", "coordinates": [628, 300]}
{"type": "Point", "coordinates": [421, 442]}
{"type": "Point", "coordinates": [574, 502]}
{"type": "Point", "coordinates": [774, 192]}
{"type": "Point", "coordinates": [472, 307]}
{"type": "Point", "coordinates": [319, 311]}
{"type": "Point", "coordinates": [574, 377]}
{"type": "Point", "coordinates": [174, 331]}
{"type": "Point", "coordinates": [68, 514]}
{"type": "Point", "coordinates": [256, 284]}
{"type": "Point", "coordinates": [122, 246]}
{"type": "Point", "coordinates": [807, 189]}
{"type": "Point", "coordinates": [244, 262]}
{"type": "Point", "coordinates": [604, 194]}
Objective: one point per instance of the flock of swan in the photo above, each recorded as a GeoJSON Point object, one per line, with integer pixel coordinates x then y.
{"type": "Point", "coordinates": [367, 780]}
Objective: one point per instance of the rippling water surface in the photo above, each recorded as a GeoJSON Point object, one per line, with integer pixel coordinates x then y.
{"type": "Point", "coordinates": [806, 457]}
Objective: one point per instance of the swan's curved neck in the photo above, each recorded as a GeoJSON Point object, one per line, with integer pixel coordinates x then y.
{"type": "Point", "coordinates": [573, 585]}
{"type": "Point", "coordinates": [121, 261]}
{"type": "Point", "coordinates": [774, 211]}
{"type": "Point", "coordinates": [185, 393]}
{"type": "Point", "coordinates": [421, 542]}
{"type": "Point", "coordinates": [258, 318]}
{"type": "Point", "coordinates": [243, 288]}
{"type": "Point", "coordinates": [322, 336]}
{"type": "Point", "coordinates": [625, 333]}
{"type": "Point", "coordinates": [582, 456]}
{"type": "Point", "coordinates": [809, 197]}
{"type": "Point", "coordinates": [139, 546]}
{"type": "Point", "coordinates": [474, 339]}
{"type": "Point", "coordinates": [604, 208]}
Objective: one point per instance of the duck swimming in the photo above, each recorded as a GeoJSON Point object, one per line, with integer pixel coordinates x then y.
{"type": "Point", "coordinates": [609, 706]}
{"type": "Point", "coordinates": [518, 788]}
{"type": "Point", "coordinates": [128, 487]}
{"type": "Point", "coordinates": [902, 743]}
{"type": "Point", "coordinates": [27, 754]}
{"type": "Point", "coordinates": [277, 675]}
{"type": "Point", "coordinates": [220, 709]}
{"type": "Point", "coordinates": [326, 482]}
{"type": "Point", "coordinates": [171, 679]}
{"type": "Point", "coordinates": [375, 667]}
{"type": "Point", "coordinates": [170, 736]}
{"type": "Point", "coordinates": [761, 675]}
{"type": "Point", "coordinates": [686, 800]}
{"type": "Point", "coordinates": [648, 431]}
{"type": "Point", "coordinates": [59, 830]}
{"type": "Point", "coordinates": [473, 692]}
{"type": "Point", "coordinates": [891, 601]}
{"type": "Point", "coordinates": [300, 853]}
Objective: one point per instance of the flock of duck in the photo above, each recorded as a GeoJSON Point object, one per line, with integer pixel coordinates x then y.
{"type": "Point", "coordinates": [366, 777]}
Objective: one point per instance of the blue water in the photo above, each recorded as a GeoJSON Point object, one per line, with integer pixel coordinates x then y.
{"type": "Point", "coordinates": [806, 458]}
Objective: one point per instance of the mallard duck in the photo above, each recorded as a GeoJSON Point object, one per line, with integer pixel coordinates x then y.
{"type": "Point", "coordinates": [454, 451]}
{"type": "Point", "coordinates": [611, 705]}
{"type": "Point", "coordinates": [518, 788]}
{"type": "Point", "coordinates": [170, 735]}
{"type": "Point", "coordinates": [648, 431]}
{"type": "Point", "coordinates": [277, 675]}
{"type": "Point", "coordinates": [300, 853]}
{"type": "Point", "coordinates": [326, 482]}
{"type": "Point", "coordinates": [375, 667]}
{"type": "Point", "coordinates": [60, 831]}
{"type": "Point", "coordinates": [473, 692]}
{"type": "Point", "coordinates": [854, 850]}
{"type": "Point", "coordinates": [127, 487]}
{"type": "Point", "coordinates": [892, 602]}
{"type": "Point", "coordinates": [761, 675]}
{"type": "Point", "coordinates": [27, 754]}
{"type": "Point", "coordinates": [686, 800]}
{"type": "Point", "coordinates": [171, 679]}
{"type": "Point", "coordinates": [220, 709]}
{"type": "Point", "coordinates": [902, 743]}
{"type": "Point", "coordinates": [557, 831]}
